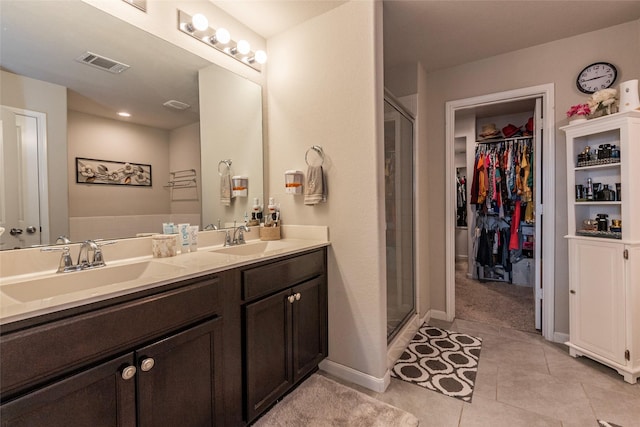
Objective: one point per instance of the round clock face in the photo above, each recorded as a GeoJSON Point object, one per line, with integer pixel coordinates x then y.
{"type": "Point", "coordinates": [597, 76]}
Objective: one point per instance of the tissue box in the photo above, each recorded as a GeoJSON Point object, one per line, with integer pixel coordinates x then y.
{"type": "Point", "coordinates": [270, 233]}
{"type": "Point", "coordinates": [164, 245]}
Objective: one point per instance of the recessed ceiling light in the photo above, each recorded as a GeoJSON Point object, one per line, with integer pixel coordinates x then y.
{"type": "Point", "coordinates": [124, 114]}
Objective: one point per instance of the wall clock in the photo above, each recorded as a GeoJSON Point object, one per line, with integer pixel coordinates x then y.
{"type": "Point", "coordinates": [596, 76]}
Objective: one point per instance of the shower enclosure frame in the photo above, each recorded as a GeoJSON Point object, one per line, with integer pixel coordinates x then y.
{"type": "Point", "coordinates": [397, 253]}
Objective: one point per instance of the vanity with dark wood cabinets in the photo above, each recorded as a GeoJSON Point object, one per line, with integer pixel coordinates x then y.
{"type": "Point", "coordinates": [218, 349]}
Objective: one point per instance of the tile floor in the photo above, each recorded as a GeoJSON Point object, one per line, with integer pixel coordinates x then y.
{"type": "Point", "coordinates": [523, 380]}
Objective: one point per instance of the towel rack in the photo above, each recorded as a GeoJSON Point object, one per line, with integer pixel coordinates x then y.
{"type": "Point", "coordinates": [227, 163]}
{"type": "Point", "coordinates": [182, 179]}
{"type": "Point", "coordinates": [319, 152]}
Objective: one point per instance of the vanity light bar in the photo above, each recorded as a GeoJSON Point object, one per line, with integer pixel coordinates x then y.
{"type": "Point", "coordinates": [220, 40]}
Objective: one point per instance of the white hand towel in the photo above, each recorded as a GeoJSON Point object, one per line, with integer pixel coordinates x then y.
{"type": "Point", "coordinates": [315, 189]}
{"type": "Point", "coordinates": [225, 189]}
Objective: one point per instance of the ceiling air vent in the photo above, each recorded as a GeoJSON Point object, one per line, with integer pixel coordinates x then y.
{"type": "Point", "coordinates": [102, 62]}
{"type": "Point", "coordinates": [176, 105]}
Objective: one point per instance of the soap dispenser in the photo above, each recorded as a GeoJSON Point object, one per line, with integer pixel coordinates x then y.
{"type": "Point", "coordinates": [256, 212]}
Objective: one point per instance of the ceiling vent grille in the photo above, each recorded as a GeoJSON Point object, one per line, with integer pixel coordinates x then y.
{"type": "Point", "coordinates": [102, 62]}
{"type": "Point", "coordinates": [176, 105]}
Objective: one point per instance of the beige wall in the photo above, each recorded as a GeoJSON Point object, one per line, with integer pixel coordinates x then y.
{"type": "Point", "coordinates": [325, 89]}
{"type": "Point", "coordinates": [423, 260]}
{"type": "Point", "coordinates": [35, 95]}
{"type": "Point", "coordinates": [105, 139]}
{"type": "Point", "coordinates": [557, 62]}
{"type": "Point", "coordinates": [184, 154]}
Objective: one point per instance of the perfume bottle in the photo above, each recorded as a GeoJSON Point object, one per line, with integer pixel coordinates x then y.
{"type": "Point", "coordinates": [589, 189]}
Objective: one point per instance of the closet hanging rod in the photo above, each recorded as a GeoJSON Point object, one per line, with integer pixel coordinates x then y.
{"type": "Point", "coordinates": [499, 141]}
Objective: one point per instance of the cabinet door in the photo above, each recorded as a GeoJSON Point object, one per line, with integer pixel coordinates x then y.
{"type": "Point", "coordinates": [179, 380]}
{"type": "Point", "coordinates": [94, 398]}
{"type": "Point", "coordinates": [268, 351]}
{"type": "Point", "coordinates": [309, 326]}
{"type": "Point", "coordinates": [597, 320]}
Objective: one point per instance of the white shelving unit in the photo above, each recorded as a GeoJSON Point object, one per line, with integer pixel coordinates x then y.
{"type": "Point", "coordinates": [604, 268]}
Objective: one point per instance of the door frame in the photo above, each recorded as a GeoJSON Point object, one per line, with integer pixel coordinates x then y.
{"type": "Point", "coordinates": [43, 186]}
{"type": "Point", "coordinates": [546, 92]}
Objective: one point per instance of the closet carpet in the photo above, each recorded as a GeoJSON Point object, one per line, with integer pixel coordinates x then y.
{"type": "Point", "coordinates": [494, 303]}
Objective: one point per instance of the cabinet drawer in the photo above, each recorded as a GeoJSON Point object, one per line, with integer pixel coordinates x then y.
{"type": "Point", "coordinates": [37, 354]}
{"type": "Point", "coordinates": [269, 278]}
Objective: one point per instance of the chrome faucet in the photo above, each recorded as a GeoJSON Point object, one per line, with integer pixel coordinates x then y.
{"type": "Point", "coordinates": [83, 256]}
{"type": "Point", "coordinates": [240, 234]}
{"type": "Point", "coordinates": [66, 263]}
{"type": "Point", "coordinates": [227, 237]}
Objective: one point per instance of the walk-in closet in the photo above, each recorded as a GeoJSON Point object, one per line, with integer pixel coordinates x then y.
{"type": "Point", "coordinates": [497, 181]}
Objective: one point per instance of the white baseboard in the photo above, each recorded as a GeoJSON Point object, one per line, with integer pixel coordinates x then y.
{"type": "Point", "coordinates": [349, 374]}
{"type": "Point", "coordinates": [438, 314]}
{"type": "Point", "coordinates": [560, 337]}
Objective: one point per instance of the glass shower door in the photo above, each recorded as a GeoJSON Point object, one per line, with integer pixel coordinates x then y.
{"type": "Point", "coordinates": [399, 192]}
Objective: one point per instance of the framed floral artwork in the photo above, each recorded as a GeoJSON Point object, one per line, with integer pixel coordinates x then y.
{"type": "Point", "coordinates": [94, 171]}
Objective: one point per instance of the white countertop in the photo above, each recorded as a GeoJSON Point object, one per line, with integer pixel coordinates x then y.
{"type": "Point", "coordinates": [18, 304]}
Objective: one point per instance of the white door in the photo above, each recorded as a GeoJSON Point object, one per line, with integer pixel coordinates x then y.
{"type": "Point", "coordinates": [538, 144]}
{"type": "Point", "coordinates": [19, 190]}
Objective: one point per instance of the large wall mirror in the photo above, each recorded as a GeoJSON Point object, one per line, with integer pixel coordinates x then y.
{"type": "Point", "coordinates": [97, 175]}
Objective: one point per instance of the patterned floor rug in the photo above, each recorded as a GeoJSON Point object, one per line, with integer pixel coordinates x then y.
{"type": "Point", "coordinates": [442, 361]}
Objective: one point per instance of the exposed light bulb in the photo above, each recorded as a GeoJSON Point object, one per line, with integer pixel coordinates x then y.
{"type": "Point", "coordinates": [261, 56]}
{"type": "Point", "coordinates": [243, 47]}
{"type": "Point", "coordinates": [200, 22]}
{"type": "Point", "coordinates": [124, 114]}
{"type": "Point", "coordinates": [223, 36]}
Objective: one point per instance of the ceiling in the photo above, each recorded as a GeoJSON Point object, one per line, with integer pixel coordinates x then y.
{"type": "Point", "coordinates": [445, 33]}
{"type": "Point", "coordinates": [270, 17]}
{"type": "Point", "coordinates": [439, 34]}
{"type": "Point", "coordinates": [442, 34]}
{"type": "Point", "coordinates": [160, 71]}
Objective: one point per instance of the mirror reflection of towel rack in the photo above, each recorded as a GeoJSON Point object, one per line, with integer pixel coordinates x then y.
{"type": "Point", "coordinates": [183, 179]}
{"type": "Point", "coordinates": [224, 163]}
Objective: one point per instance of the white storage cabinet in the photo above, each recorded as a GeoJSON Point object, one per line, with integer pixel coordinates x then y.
{"type": "Point", "coordinates": [604, 266]}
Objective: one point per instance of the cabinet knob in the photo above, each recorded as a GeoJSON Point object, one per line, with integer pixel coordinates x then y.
{"type": "Point", "coordinates": [298, 296]}
{"type": "Point", "coordinates": [128, 372]}
{"type": "Point", "coordinates": [147, 364]}
{"type": "Point", "coordinates": [572, 291]}
{"type": "Point", "coordinates": [291, 299]}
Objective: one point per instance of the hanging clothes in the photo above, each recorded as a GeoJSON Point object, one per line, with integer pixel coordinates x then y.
{"type": "Point", "coordinates": [502, 173]}
{"type": "Point", "coordinates": [503, 195]}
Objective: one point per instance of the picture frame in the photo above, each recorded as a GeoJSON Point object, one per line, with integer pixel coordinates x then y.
{"type": "Point", "coordinates": [110, 172]}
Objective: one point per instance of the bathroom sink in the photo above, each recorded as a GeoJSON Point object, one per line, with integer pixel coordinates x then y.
{"type": "Point", "coordinates": [253, 248]}
{"type": "Point", "coordinates": [86, 280]}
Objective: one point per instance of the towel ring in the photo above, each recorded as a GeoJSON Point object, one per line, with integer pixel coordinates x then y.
{"type": "Point", "coordinates": [318, 150]}
{"type": "Point", "coordinates": [227, 163]}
